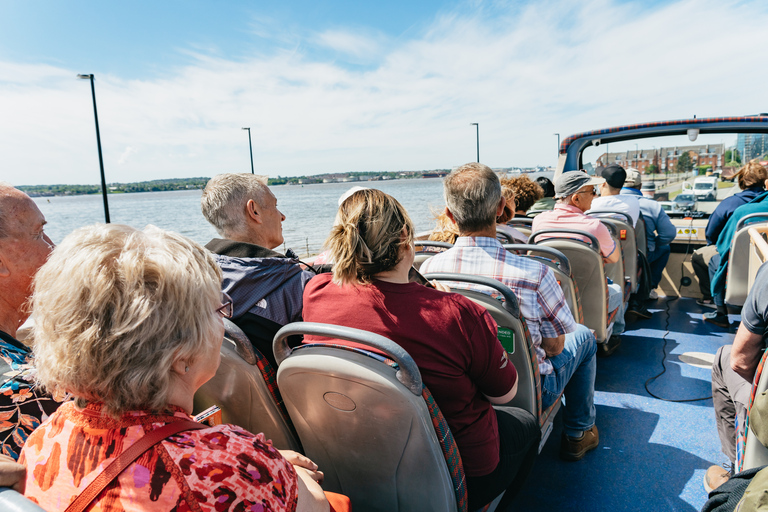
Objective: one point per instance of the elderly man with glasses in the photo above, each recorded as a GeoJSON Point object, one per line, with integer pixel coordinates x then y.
{"type": "Point", "coordinates": [574, 191]}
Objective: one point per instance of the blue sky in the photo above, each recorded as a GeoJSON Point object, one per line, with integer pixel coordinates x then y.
{"type": "Point", "coordinates": [354, 86]}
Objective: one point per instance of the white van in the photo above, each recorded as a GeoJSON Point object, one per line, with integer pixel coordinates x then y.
{"type": "Point", "coordinates": [705, 188]}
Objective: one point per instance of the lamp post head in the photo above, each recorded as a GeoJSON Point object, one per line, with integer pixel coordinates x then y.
{"type": "Point", "coordinates": [474, 124]}
{"type": "Point", "coordinates": [84, 77]}
{"type": "Point", "coordinates": [247, 129]}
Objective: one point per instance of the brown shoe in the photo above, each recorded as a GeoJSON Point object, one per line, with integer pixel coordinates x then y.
{"type": "Point", "coordinates": [715, 477]}
{"type": "Point", "coordinates": [575, 449]}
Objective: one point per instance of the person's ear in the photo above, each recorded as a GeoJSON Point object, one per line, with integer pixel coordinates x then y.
{"type": "Point", "coordinates": [449, 215]}
{"type": "Point", "coordinates": [252, 211]}
{"type": "Point", "coordinates": [502, 204]}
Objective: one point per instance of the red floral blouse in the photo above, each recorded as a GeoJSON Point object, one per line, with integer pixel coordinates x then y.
{"type": "Point", "coordinates": [218, 469]}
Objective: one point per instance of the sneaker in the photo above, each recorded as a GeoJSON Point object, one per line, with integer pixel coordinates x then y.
{"type": "Point", "coordinates": [706, 303]}
{"type": "Point", "coordinates": [610, 346]}
{"type": "Point", "coordinates": [639, 311]}
{"type": "Point", "coordinates": [715, 477]}
{"type": "Point", "coordinates": [653, 295]}
{"type": "Point", "coordinates": [719, 319]}
{"type": "Point", "coordinates": [575, 449]}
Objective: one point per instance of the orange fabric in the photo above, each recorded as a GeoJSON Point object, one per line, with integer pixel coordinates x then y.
{"type": "Point", "coordinates": [338, 502]}
{"type": "Point", "coordinates": [216, 468]}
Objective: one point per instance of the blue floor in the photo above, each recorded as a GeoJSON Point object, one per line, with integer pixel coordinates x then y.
{"type": "Point", "coordinates": [652, 453]}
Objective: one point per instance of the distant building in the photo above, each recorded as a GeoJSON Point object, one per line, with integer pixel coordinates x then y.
{"type": "Point", "coordinates": [751, 145]}
{"type": "Point", "coordinates": [665, 158]}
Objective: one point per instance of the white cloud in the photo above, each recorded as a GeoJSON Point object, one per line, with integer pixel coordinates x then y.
{"type": "Point", "coordinates": [523, 73]}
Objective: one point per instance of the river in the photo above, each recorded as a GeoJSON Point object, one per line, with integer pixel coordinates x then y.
{"type": "Point", "coordinates": [309, 210]}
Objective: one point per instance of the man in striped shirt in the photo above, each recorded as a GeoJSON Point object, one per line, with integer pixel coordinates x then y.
{"type": "Point", "coordinates": [565, 349]}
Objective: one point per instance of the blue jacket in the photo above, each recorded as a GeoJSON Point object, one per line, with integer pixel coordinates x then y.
{"type": "Point", "coordinates": [758, 205]}
{"type": "Point", "coordinates": [726, 208]}
{"type": "Point", "coordinates": [658, 228]}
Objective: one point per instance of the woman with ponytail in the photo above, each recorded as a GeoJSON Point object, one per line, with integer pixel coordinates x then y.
{"type": "Point", "coordinates": [452, 340]}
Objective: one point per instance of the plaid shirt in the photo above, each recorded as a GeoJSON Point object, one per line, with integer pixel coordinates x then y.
{"type": "Point", "coordinates": [541, 299]}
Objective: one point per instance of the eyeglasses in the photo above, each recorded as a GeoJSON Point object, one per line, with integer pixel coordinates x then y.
{"type": "Point", "coordinates": [226, 309]}
{"type": "Point", "coordinates": [592, 191]}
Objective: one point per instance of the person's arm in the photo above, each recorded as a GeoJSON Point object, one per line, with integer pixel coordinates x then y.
{"type": "Point", "coordinates": [746, 352]}
{"type": "Point", "coordinates": [553, 346]}
{"type": "Point", "coordinates": [665, 230]}
{"type": "Point", "coordinates": [12, 474]}
{"type": "Point", "coordinates": [501, 400]}
{"type": "Point", "coordinates": [614, 256]}
{"type": "Point", "coordinates": [311, 497]}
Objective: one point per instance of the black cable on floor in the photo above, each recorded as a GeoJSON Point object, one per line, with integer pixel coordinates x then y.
{"type": "Point", "coordinates": [666, 333]}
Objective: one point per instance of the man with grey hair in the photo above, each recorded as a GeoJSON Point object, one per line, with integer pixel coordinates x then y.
{"type": "Point", "coordinates": [24, 247]}
{"type": "Point", "coordinates": [565, 350]}
{"type": "Point", "coordinates": [266, 287]}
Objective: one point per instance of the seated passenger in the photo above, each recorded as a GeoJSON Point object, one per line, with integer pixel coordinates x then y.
{"type": "Point", "coordinates": [265, 286]}
{"type": "Point", "coordinates": [575, 191]}
{"type": "Point", "coordinates": [444, 231]}
{"type": "Point", "coordinates": [751, 179]}
{"type": "Point", "coordinates": [547, 202]}
{"type": "Point", "coordinates": [24, 247]}
{"type": "Point", "coordinates": [565, 350]}
{"type": "Point", "coordinates": [526, 192]}
{"type": "Point", "coordinates": [507, 215]}
{"type": "Point", "coordinates": [720, 317]}
{"type": "Point", "coordinates": [130, 324]}
{"type": "Point", "coordinates": [659, 230]}
{"type": "Point", "coordinates": [610, 198]}
{"type": "Point", "coordinates": [452, 340]}
{"type": "Point", "coordinates": [734, 370]}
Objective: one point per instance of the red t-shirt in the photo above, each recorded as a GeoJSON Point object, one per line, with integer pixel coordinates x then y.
{"type": "Point", "coordinates": [452, 340]}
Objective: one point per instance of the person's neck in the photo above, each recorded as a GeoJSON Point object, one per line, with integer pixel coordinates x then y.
{"type": "Point", "coordinates": [606, 193]}
{"type": "Point", "coordinates": [10, 318]}
{"type": "Point", "coordinates": [488, 232]}
{"type": "Point", "coordinates": [181, 395]}
{"type": "Point", "coordinates": [249, 238]}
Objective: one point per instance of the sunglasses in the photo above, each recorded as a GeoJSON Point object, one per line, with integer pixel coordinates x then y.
{"type": "Point", "coordinates": [226, 309]}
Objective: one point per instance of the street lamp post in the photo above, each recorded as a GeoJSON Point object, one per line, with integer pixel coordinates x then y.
{"type": "Point", "coordinates": [477, 132]}
{"type": "Point", "coordinates": [98, 144]}
{"type": "Point", "coordinates": [250, 146]}
{"type": "Point", "coordinates": [558, 142]}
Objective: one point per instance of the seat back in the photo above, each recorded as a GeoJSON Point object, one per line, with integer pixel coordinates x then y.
{"type": "Point", "coordinates": [12, 501]}
{"type": "Point", "coordinates": [641, 235]}
{"type": "Point", "coordinates": [426, 249]}
{"type": "Point", "coordinates": [750, 452]}
{"type": "Point", "coordinates": [628, 241]}
{"type": "Point", "coordinates": [737, 276]}
{"type": "Point", "coordinates": [521, 224]}
{"type": "Point", "coordinates": [515, 338]}
{"type": "Point", "coordinates": [368, 422]}
{"type": "Point", "coordinates": [616, 271]}
{"type": "Point", "coordinates": [245, 388]}
{"type": "Point", "coordinates": [561, 267]}
{"type": "Point", "coordinates": [588, 273]}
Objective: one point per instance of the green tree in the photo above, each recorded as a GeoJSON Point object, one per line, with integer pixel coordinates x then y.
{"type": "Point", "coordinates": [733, 156]}
{"type": "Point", "coordinates": [684, 163]}
{"type": "Point", "coordinates": [652, 169]}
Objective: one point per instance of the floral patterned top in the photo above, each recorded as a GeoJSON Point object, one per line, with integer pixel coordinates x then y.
{"type": "Point", "coordinates": [222, 468]}
{"type": "Point", "coordinates": [22, 406]}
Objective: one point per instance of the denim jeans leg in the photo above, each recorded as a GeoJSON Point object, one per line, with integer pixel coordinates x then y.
{"type": "Point", "coordinates": [574, 372]}
{"type": "Point", "coordinates": [658, 260]}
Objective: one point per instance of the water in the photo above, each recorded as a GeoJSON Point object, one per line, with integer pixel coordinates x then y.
{"type": "Point", "coordinates": [309, 210]}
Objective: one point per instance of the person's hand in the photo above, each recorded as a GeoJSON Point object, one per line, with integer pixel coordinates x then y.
{"type": "Point", "coordinates": [12, 474]}
{"type": "Point", "coordinates": [440, 286]}
{"type": "Point", "coordinates": [300, 461]}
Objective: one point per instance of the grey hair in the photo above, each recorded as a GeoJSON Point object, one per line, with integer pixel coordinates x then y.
{"type": "Point", "coordinates": [224, 199]}
{"type": "Point", "coordinates": [472, 194]}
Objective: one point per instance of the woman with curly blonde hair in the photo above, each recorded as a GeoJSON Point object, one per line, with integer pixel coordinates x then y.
{"type": "Point", "coordinates": [129, 324]}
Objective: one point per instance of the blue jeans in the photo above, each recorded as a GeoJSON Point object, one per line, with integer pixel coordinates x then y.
{"type": "Point", "coordinates": [574, 372]}
{"type": "Point", "coordinates": [657, 259]}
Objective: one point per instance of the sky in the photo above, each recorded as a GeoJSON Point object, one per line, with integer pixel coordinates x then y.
{"type": "Point", "coordinates": [338, 86]}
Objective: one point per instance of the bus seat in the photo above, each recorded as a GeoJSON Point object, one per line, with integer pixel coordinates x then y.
{"type": "Point", "coordinates": [426, 249]}
{"type": "Point", "coordinates": [368, 421]}
{"type": "Point", "coordinates": [522, 224]}
{"type": "Point", "coordinates": [627, 239]}
{"type": "Point", "coordinates": [737, 276]}
{"type": "Point", "coordinates": [641, 235]}
{"type": "Point", "coordinates": [12, 501]}
{"type": "Point", "coordinates": [558, 262]}
{"type": "Point", "coordinates": [750, 452]}
{"type": "Point", "coordinates": [245, 388]}
{"type": "Point", "coordinates": [588, 273]}
{"type": "Point", "coordinates": [519, 347]}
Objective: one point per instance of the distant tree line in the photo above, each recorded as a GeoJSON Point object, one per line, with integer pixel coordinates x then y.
{"type": "Point", "coordinates": [116, 188]}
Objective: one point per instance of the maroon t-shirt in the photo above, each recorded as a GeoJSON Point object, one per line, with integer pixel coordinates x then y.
{"type": "Point", "coordinates": [452, 340]}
